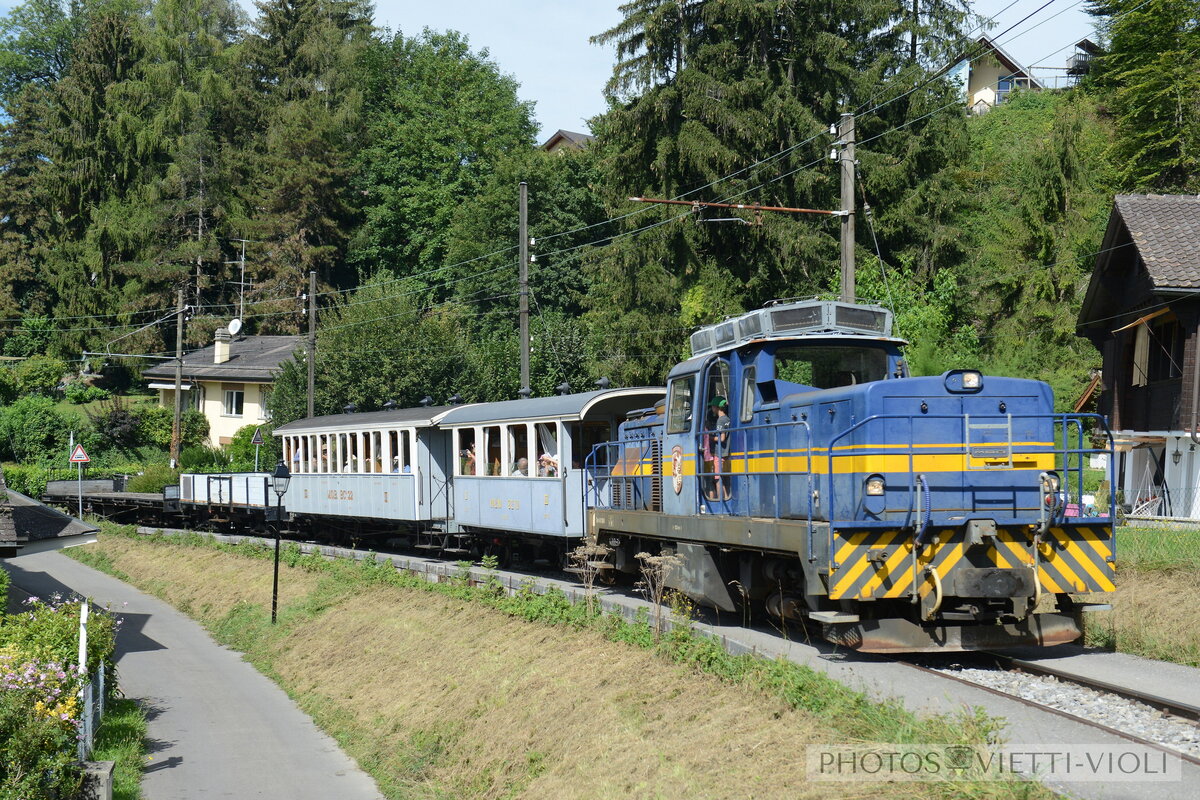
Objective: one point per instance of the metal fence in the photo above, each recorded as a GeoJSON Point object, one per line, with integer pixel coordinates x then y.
{"type": "Point", "coordinates": [91, 703]}
{"type": "Point", "coordinates": [91, 694]}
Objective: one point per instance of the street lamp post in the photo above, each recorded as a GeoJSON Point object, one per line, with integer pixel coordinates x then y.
{"type": "Point", "coordinates": [280, 479]}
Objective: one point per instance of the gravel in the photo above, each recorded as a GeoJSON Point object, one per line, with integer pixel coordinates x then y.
{"type": "Point", "coordinates": [1128, 716]}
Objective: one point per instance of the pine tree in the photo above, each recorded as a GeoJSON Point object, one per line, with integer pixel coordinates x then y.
{"type": "Point", "coordinates": [1152, 72]}
{"type": "Point", "coordinates": [189, 118]}
{"type": "Point", "coordinates": [304, 58]}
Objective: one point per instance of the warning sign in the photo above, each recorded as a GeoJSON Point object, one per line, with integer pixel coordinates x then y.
{"type": "Point", "coordinates": [258, 437]}
{"type": "Point", "coordinates": [79, 455]}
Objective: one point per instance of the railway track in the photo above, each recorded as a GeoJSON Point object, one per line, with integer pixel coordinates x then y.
{"type": "Point", "coordinates": [1169, 725]}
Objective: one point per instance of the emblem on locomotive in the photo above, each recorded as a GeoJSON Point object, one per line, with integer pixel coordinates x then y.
{"type": "Point", "coordinates": [677, 468]}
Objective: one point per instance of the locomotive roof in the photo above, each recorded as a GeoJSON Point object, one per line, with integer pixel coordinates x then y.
{"type": "Point", "coordinates": [795, 320]}
{"type": "Point", "coordinates": [420, 417]}
{"type": "Point", "coordinates": [564, 407]}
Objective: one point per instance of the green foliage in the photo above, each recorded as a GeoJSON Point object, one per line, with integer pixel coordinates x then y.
{"type": "Point", "coordinates": [5, 581]}
{"type": "Point", "coordinates": [376, 346]}
{"type": "Point", "coordinates": [200, 458]}
{"type": "Point", "coordinates": [32, 429]}
{"type": "Point", "coordinates": [241, 451]}
{"type": "Point", "coordinates": [121, 737]}
{"type": "Point", "coordinates": [1150, 75]}
{"type": "Point", "coordinates": [40, 375]}
{"type": "Point", "coordinates": [438, 117]}
{"type": "Point", "coordinates": [80, 393]}
{"type": "Point", "coordinates": [153, 479]}
{"type": "Point", "coordinates": [39, 707]}
{"type": "Point", "coordinates": [153, 424]}
{"type": "Point", "coordinates": [8, 385]}
{"type": "Point", "coordinates": [37, 758]}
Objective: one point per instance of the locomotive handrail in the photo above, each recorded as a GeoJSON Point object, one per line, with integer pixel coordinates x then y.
{"type": "Point", "coordinates": [1065, 420]}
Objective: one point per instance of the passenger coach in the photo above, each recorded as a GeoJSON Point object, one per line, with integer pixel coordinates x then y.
{"type": "Point", "coordinates": [379, 466]}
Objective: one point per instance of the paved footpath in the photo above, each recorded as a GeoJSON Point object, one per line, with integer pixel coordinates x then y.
{"type": "Point", "coordinates": [217, 727]}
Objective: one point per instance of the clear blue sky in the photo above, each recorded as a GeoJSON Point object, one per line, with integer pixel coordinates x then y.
{"type": "Point", "coordinates": [544, 43]}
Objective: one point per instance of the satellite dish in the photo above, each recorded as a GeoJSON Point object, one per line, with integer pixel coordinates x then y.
{"type": "Point", "coordinates": [234, 327]}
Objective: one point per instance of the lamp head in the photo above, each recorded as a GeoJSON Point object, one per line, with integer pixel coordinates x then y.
{"type": "Point", "coordinates": [280, 478]}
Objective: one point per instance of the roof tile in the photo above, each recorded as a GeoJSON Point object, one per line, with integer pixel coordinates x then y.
{"type": "Point", "coordinates": [1166, 232]}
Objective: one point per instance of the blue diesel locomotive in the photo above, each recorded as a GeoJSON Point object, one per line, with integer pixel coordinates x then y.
{"type": "Point", "coordinates": [795, 463]}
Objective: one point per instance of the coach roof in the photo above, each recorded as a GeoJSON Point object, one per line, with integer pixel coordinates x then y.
{"type": "Point", "coordinates": [420, 417]}
{"type": "Point", "coordinates": [567, 407]}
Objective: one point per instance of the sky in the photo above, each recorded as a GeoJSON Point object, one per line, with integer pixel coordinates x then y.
{"type": "Point", "coordinates": [544, 44]}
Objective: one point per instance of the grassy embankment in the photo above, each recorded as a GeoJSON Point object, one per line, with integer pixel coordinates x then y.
{"type": "Point", "coordinates": [448, 690]}
{"type": "Point", "coordinates": [1156, 609]}
{"type": "Point", "coordinates": [121, 737]}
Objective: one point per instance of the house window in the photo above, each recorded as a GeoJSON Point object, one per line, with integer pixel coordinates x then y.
{"type": "Point", "coordinates": [235, 398]}
{"type": "Point", "coordinates": [264, 397]}
{"type": "Point", "coordinates": [1165, 352]}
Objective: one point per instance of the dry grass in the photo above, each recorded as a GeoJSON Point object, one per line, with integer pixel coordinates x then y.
{"type": "Point", "coordinates": [1156, 609]}
{"type": "Point", "coordinates": [1156, 614]}
{"type": "Point", "coordinates": [438, 697]}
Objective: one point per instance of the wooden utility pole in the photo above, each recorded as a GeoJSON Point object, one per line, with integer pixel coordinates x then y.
{"type": "Point", "coordinates": [176, 431]}
{"type": "Point", "coordinates": [312, 339]}
{"type": "Point", "coordinates": [524, 232]}
{"type": "Point", "coordinates": [846, 140]}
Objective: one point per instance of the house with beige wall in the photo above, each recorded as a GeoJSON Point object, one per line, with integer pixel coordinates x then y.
{"type": "Point", "coordinates": [229, 381]}
{"type": "Point", "coordinates": [990, 75]}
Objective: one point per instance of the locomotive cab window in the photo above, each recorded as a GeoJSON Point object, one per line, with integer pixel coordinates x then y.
{"type": "Point", "coordinates": [747, 412]}
{"type": "Point", "coordinates": [830, 366]}
{"type": "Point", "coordinates": [679, 417]}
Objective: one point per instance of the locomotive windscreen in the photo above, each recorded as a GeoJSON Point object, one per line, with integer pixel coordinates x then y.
{"type": "Point", "coordinates": [827, 367]}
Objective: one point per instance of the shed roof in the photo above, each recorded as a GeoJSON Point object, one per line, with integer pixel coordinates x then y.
{"type": "Point", "coordinates": [566, 407]}
{"type": "Point", "coordinates": [421, 417]}
{"type": "Point", "coordinates": [251, 358]}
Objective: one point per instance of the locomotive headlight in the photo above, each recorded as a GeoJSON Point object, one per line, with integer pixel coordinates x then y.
{"type": "Point", "coordinates": [971, 380]}
{"type": "Point", "coordinates": [875, 485]}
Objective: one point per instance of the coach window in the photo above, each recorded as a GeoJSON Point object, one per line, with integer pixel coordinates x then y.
{"type": "Point", "coordinates": [493, 452]}
{"type": "Point", "coordinates": [747, 412]}
{"type": "Point", "coordinates": [518, 450]}
{"type": "Point", "coordinates": [679, 418]}
{"type": "Point", "coordinates": [546, 465]}
{"type": "Point", "coordinates": [406, 456]}
{"type": "Point", "coordinates": [464, 447]}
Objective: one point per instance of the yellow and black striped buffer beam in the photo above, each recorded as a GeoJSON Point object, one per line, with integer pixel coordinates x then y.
{"type": "Point", "coordinates": [879, 564]}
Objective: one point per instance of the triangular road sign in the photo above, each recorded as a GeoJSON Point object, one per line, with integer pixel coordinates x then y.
{"type": "Point", "coordinates": [79, 456]}
{"type": "Point", "coordinates": [258, 437]}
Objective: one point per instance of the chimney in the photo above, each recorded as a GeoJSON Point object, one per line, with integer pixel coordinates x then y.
{"type": "Point", "coordinates": [221, 353]}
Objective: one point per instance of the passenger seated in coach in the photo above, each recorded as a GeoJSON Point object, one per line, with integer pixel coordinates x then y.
{"type": "Point", "coordinates": [547, 466]}
{"type": "Point", "coordinates": [521, 469]}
